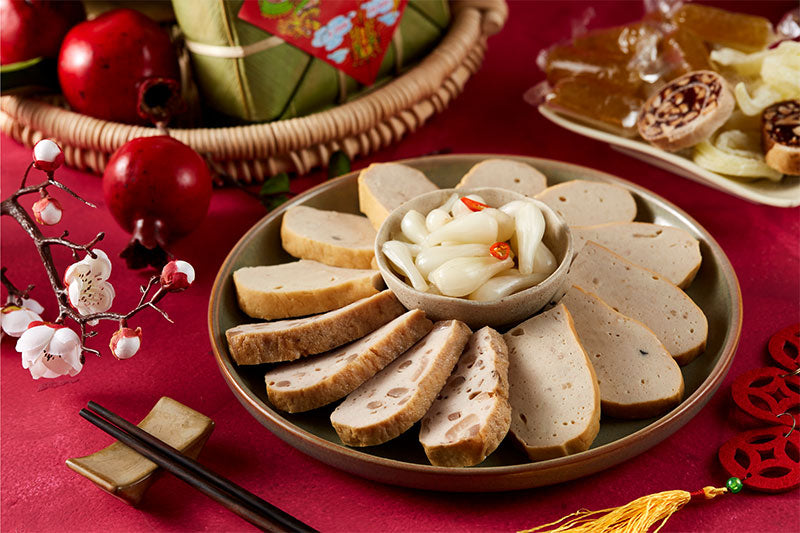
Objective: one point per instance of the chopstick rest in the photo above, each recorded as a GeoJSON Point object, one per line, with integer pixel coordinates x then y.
{"type": "Point", "coordinates": [233, 497]}
{"type": "Point", "coordinates": [124, 473]}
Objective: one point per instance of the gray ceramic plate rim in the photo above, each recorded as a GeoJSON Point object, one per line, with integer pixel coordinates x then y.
{"type": "Point", "coordinates": [490, 478]}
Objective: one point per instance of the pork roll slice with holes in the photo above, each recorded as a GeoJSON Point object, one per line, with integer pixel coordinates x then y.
{"type": "Point", "coordinates": [330, 237]}
{"type": "Point", "coordinates": [471, 414]}
{"type": "Point", "coordinates": [301, 288]}
{"type": "Point", "coordinates": [585, 203]}
{"type": "Point", "coordinates": [672, 252]}
{"type": "Point", "coordinates": [400, 394]}
{"type": "Point", "coordinates": [384, 186]}
{"type": "Point", "coordinates": [322, 379]}
{"type": "Point", "coordinates": [287, 340]}
{"type": "Point", "coordinates": [637, 376]}
{"type": "Point", "coordinates": [507, 174]}
{"type": "Point", "coordinates": [555, 400]}
{"type": "Point", "coordinates": [644, 296]}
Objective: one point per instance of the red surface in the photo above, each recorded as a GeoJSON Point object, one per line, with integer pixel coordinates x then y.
{"type": "Point", "coordinates": [41, 426]}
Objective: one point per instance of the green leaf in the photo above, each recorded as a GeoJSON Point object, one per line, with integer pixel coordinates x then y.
{"type": "Point", "coordinates": [338, 164]}
{"type": "Point", "coordinates": [279, 183]}
{"type": "Point", "coordinates": [271, 202]}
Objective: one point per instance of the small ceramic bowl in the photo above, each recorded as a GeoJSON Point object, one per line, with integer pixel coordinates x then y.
{"type": "Point", "coordinates": [511, 309]}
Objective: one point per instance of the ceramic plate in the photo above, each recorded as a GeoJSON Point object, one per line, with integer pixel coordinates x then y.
{"type": "Point", "coordinates": [402, 461]}
{"type": "Point", "coordinates": [784, 193]}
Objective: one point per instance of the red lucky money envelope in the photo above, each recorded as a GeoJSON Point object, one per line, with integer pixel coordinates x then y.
{"type": "Point", "coordinates": [351, 35]}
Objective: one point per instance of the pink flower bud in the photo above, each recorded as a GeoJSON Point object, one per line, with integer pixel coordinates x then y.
{"type": "Point", "coordinates": [125, 342]}
{"type": "Point", "coordinates": [47, 211]}
{"type": "Point", "coordinates": [177, 276]}
{"type": "Point", "coordinates": [47, 155]}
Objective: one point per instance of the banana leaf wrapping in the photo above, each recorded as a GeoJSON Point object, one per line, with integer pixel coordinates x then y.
{"type": "Point", "coordinates": [283, 81]}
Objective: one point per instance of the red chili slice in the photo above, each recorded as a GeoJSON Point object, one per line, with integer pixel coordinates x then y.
{"type": "Point", "coordinates": [500, 250]}
{"type": "Point", "coordinates": [473, 205]}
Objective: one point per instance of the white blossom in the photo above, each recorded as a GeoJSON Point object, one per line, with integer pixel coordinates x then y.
{"type": "Point", "coordinates": [14, 319]}
{"type": "Point", "coordinates": [50, 350]}
{"type": "Point", "coordinates": [33, 305]}
{"type": "Point", "coordinates": [88, 290]}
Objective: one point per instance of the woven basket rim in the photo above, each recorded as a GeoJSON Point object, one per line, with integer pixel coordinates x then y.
{"type": "Point", "coordinates": [266, 147]}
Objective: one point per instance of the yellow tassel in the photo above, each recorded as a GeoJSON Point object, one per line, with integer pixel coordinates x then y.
{"type": "Point", "coordinates": [637, 516]}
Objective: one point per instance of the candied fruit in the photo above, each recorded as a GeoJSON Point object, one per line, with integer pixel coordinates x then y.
{"type": "Point", "coordinates": [598, 102]}
{"type": "Point", "coordinates": [748, 33]}
{"type": "Point", "coordinates": [604, 76]}
{"type": "Point", "coordinates": [625, 56]}
{"type": "Point", "coordinates": [691, 48]}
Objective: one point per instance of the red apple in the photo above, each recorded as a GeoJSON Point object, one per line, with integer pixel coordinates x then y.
{"type": "Point", "coordinates": [104, 61]}
{"type": "Point", "coordinates": [35, 28]}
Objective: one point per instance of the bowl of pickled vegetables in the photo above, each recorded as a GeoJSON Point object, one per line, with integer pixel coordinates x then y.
{"type": "Point", "coordinates": [485, 256]}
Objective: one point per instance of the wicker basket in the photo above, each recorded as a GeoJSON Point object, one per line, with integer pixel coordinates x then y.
{"type": "Point", "coordinates": [252, 153]}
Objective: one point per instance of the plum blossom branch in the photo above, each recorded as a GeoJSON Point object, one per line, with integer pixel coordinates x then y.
{"type": "Point", "coordinates": [122, 318]}
{"type": "Point", "coordinates": [83, 294]}
{"type": "Point", "coordinates": [144, 290]}
{"type": "Point", "coordinates": [14, 294]}
{"type": "Point", "coordinates": [74, 246]}
{"type": "Point", "coordinates": [63, 187]}
{"type": "Point", "coordinates": [25, 176]}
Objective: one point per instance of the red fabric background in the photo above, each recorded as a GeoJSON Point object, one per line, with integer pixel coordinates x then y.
{"type": "Point", "coordinates": [41, 426]}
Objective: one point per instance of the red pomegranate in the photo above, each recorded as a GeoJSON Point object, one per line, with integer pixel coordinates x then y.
{"type": "Point", "coordinates": [104, 61]}
{"type": "Point", "coordinates": [35, 28]}
{"type": "Point", "coordinates": [158, 189]}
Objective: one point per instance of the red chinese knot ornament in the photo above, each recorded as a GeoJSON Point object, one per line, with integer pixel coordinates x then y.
{"type": "Point", "coordinates": [765, 459]}
{"type": "Point", "coordinates": [784, 347]}
{"type": "Point", "coordinates": [767, 393]}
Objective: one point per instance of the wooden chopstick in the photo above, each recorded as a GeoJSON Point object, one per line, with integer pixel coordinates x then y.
{"type": "Point", "coordinates": [245, 504]}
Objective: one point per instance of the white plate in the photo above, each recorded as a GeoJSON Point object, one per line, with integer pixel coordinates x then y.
{"type": "Point", "coordinates": [785, 193]}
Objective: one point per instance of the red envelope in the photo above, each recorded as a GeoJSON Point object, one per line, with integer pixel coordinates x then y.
{"type": "Point", "coordinates": [351, 35]}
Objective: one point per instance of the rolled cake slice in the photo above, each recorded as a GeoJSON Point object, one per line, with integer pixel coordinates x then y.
{"type": "Point", "coordinates": [384, 186]}
{"type": "Point", "coordinates": [555, 401]}
{"type": "Point", "coordinates": [471, 414]}
{"type": "Point", "coordinates": [287, 340]}
{"type": "Point", "coordinates": [686, 111]}
{"type": "Point", "coordinates": [672, 252]}
{"type": "Point", "coordinates": [301, 288]}
{"type": "Point", "coordinates": [322, 379]}
{"type": "Point", "coordinates": [586, 203]}
{"type": "Point", "coordinates": [645, 296]}
{"type": "Point", "coordinates": [780, 136]}
{"type": "Point", "coordinates": [400, 394]}
{"type": "Point", "coordinates": [637, 376]}
{"type": "Point", "coordinates": [330, 237]}
{"type": "Point", "coordinates": [506, 174]}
